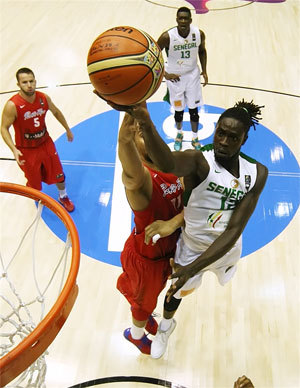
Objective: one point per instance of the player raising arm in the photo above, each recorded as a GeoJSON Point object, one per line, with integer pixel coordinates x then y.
{"type": "Point", "coordinates": [222, 188]}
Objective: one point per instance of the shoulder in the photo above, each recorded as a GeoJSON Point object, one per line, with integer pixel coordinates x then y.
{"type": "Point", "coordinates": [43, 95]}
{"type": "Point", "coordinates": [9, 107]}
{"type": "Point", "coordinates": [163, 40]}
{"type": "Point", "coordinates": [262, 170]}
{"type": "Point", "coordinates": [202, 35]}
{"type": "Point", "coordinates": [261, 178]}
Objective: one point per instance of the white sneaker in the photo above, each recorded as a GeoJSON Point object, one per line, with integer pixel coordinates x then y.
{"type": "Point", "coordinates": [160, 341]}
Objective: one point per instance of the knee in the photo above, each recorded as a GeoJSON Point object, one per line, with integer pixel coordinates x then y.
{"type": "Point", "coordinates": [178, 116]}
{"type": "Point", "coordinates": [172, 305]}
{"type": "Point", "coordinates": [194, 116]}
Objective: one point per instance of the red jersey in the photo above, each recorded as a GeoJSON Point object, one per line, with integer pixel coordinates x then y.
{"type": "Point", "coordinates": [30, 127]}
{"type": "Point", "coordinates": [166, 202]}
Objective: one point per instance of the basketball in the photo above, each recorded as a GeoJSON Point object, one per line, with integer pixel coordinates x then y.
{"type": "Point", "coordinates": [125, 65]}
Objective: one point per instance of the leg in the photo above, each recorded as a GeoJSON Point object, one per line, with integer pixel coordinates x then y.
{"type": "Point", "coordinates": [165, 328]}
{"type": "Point", "coordinates": [141, 282]}
{"type": "Point", "coordinates": [178, 122]}
{"type": "Point", "coordinates": [63, 197]}
{"type": "Point", "coordinates": [177, 100]}
{"type": "Point", "coordinates": [52, 172]}
{"type": "Point", "coordinates": [194, 118]}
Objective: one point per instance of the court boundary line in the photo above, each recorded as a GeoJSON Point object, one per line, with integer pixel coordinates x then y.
{"type": "Point", "coordinates": [208, 84]}
{"type": "Point", "coordinates": [123, 379]}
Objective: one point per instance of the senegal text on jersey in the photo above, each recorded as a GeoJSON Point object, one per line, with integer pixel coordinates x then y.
{"type": "Point", "coordinates": [184, 46]}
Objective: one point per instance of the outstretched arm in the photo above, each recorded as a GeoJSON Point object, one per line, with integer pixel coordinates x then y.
{"type": "Point", "coordinates": [227, 239]}
{"type": "Point", "coordinates": [180, 164]}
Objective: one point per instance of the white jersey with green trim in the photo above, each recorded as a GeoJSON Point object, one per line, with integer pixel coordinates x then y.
{"type": "Point", "coordinates": [212, 202]}
{"type": "Point", "coordinates": [183, 52]}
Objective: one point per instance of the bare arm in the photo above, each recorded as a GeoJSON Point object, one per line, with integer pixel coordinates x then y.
{"type": "Point", "coordinates": [203, 57]}
{"type": "Point", "coordinates": [8, 117]}
{"type": "Point", "coordinates": [227, 239]}
{"type": "Point", "coordinates": [180, 164]}
{"type": "Point", "coordinates": [136, 178]}
{"type": "Point", "coordinates": [60, 118]}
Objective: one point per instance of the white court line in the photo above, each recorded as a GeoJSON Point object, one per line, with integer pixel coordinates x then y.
{"type": "Point", "coordinates": [120, 217]}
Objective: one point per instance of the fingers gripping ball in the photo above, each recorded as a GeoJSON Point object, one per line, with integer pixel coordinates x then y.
{"type": "Point", "coordinates": [125, 65]}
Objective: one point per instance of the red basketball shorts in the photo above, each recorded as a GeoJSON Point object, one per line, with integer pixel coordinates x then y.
{"type": "Point", "coordinates": [142, 281]}
{"type": "Point", "coordinates": [42, 164]}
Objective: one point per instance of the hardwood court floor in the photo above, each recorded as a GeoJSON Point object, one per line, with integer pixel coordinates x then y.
{"type": "Point", "coordinates": [251, 326]}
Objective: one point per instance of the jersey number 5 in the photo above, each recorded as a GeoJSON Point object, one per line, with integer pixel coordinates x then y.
{"type": "Point", "coordinates": [36, 122]}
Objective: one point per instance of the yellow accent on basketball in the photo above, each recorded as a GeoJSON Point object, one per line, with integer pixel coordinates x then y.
{"type": "Point", "coordinates": [125, 65]}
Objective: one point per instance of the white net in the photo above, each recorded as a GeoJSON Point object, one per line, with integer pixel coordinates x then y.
{"type": "Point", "coordinates": [34, 265]}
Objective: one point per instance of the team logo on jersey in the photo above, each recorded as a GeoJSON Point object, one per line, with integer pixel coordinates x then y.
{"type": "Point", "coordinates": [247, 182]}
{"type": "Point", "coordinates": [36, 113]}
{"type": "Point", "coordinates": [41, 102]}
{"type": "Point", "coordinates": [234, 183]}
{"type": "Point", "coordinates": [193, 37]}
{"type": "Point", "coordinates": [214, 218]}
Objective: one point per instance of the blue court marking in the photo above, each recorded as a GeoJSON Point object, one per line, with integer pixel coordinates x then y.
{"type": "Point", "coordinates": [89, 165]}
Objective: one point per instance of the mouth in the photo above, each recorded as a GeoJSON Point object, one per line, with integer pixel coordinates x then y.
{"type": "Point", "coordinates": [221, 153]}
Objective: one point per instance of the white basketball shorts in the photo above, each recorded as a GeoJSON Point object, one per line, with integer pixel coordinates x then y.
{"type": "Point", "coordinates": [187, 91]}
{"type": "Point", "coordinates": [224, 268]}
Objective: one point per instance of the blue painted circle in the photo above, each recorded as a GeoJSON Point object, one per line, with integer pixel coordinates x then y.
{"type": "Point", "coordinates": [89, 165]}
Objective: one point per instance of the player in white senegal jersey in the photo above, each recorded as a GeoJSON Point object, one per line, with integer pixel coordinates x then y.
{"type": "Point", "coordinates": [222, 187]}
{"type": "Point", "coordinates": [183, 45]}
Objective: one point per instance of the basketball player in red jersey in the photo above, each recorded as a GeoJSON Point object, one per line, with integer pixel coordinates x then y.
{"type": "Point", "coordinates": [156, 201]}
{"type": "Point", "coordinates": [34, 149]}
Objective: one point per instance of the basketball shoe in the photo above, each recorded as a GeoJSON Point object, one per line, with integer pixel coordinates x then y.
{"type": "Point", "coordinates": [178, 142]}
{"type": "Point", "coordinates": [67, 203]}
{"type": "Point", "coordinates": [143, 344]}
{"type": "Point", "coordinates": [160, 341]}
{"type": "Point", "coordinates": [151, 325]}
{"type": "Point", "coordinates": [196, 144]}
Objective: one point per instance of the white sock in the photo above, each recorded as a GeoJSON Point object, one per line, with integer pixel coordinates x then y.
{"type": "Point", "coordinates": [62, 193]}
{"type": "Point", "coordinates": [165, 324]}
{"type": "Point", "coordinates": [195, 135]}
{"type": "Point", "coordinates": [137, 332]}
{"type": "Point", "coordinates": [179, 130]}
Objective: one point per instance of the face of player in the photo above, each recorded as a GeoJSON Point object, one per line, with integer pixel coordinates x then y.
{"type": "Point", "coordinates": [184, 21]}
{"type": "Point", "coordinates": [27, 84]}
{"type": "Point", "coordinates": [229, 136]}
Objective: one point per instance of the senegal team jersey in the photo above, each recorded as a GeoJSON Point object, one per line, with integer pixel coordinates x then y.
{"type": "Point", "coordinates": [212, 202]}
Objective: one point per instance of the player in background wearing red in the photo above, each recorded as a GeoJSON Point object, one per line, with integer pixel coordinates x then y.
{"type": "Point", "coordinates": [34, 149]}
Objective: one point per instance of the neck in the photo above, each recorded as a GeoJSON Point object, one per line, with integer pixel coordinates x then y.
{"type": "Point", "coordinates": [231, 165]}
{"type": "Point", "coordinates": [26, 97]}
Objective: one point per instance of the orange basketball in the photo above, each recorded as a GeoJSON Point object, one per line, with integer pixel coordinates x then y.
{"type": "Point", "coordinates": [125, 65]}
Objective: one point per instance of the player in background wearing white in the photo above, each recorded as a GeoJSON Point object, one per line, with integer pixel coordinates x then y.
{"type": "Point", "coordinates": [183, 45]}
{"type": "Point", "coordinates": [222, 188]}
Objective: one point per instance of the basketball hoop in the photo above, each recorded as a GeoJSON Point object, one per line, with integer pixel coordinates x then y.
{"type": "Point", "coordinates": [32, 347]}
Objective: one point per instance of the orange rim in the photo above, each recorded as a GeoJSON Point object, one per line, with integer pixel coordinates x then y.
{"type": "Point", "coordinates": [27, 351]}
